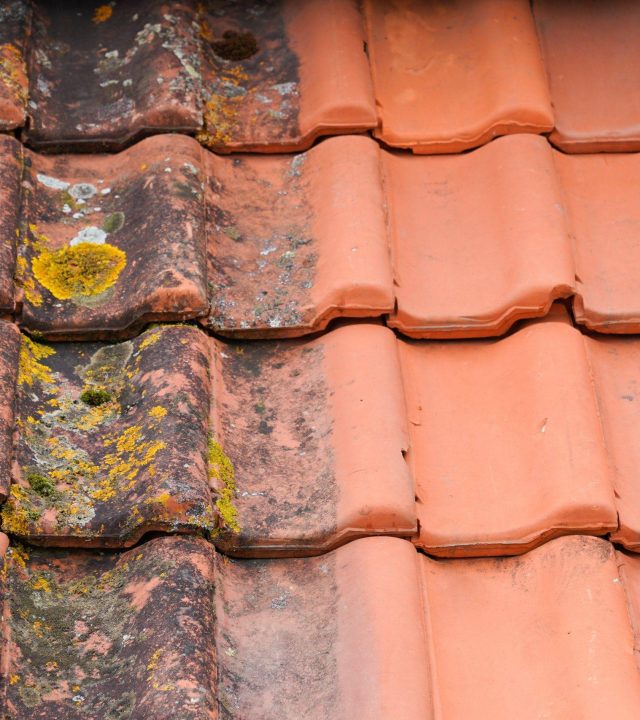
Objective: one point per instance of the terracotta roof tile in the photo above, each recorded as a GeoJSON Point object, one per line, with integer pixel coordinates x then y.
{"type": "Point", "coordinates": [451, 77]}
{"type": "Point", "coordinates": [9, 363]}
{"type": "Point", "coordinates": [112, 241]}
{"type": "Point", "coordinates": [506, 442]}
{"type": "Point", "coordinates": [11, 162]}
{"type": "Point", "coordinates": [593, 66]}
{"type": "Point", "coordinates": [477, 242]}
{"type": "Point", "coordinates": [296, 240]}
{"type": "Point", "coordinates": [109, 635]}
{"type": "Point", "coordinates": [112, 440]}
{"type": "Point", "coordinates": [336, 636]}
{"type": "Point", "coordinates": [501, 628]}
{"type": "Point", "coordinates": [15, 20]}
{"type": "Point", "coordinates": [317, 453]}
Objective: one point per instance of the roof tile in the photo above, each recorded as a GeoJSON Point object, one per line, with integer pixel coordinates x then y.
{"type": "Point", "coordinates": [295, 241]}
{"type": "Point", "coordinates": [500, 629]}
{"type": "Point", "coordinates": [9, 369]}
{"type": "Point", "coordinates": [15, 20]}
{"type": "Point", "coordinates": [506, 442]}
{"type": "Point", "coordinates": [109, 635]}
{"type": "Point", "coordinates": [89, 223]}
{"type": "Point", "coordinates": [112, 440]}
{"type": "Point", "coordinates": [477, 242]}
{"type": "Point", "coordinates": [11, 167]}
{"type": "Point", "coordinates": [593, 66]}
{"type": "Point", "coordinates": [317, 453]}
{"type": "Point", "coordinates": [451, 77]}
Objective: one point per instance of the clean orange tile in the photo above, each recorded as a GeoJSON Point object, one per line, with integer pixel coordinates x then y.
{"type": "Point", "coordinates": [507, 447]}
{"type": "Point", "coordinates": [615, 363]}
{"type": "Point", "coordinates": [451, 76]}
{"type": "Point", "coordinates": [546, 635]}
{"type": "Point", "coordinates": [315, 431]}
{"type": "Point", "coordinates": [337, 636]}
{"type": "Point", "coordinates": [295, 241]}
{"type": "Point", "coordinates": [600, 195]}
{"type": "Point", "coordinates": [478, 240]}
{"type": "Point", "coordinates": [593, 65]}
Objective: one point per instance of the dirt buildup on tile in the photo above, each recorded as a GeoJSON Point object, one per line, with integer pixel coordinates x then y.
{"type": "Point", "coordinates": [235, 46]}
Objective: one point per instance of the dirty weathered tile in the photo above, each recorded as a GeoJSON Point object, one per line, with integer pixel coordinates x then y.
{"type": "Point", "coordinates": [11, 168]}
{"type": "Point", "coordinates": [278, 74]}
{"type": "Point", "coordinates": [102, 76]}
{"type": "Point", "coordinates": [90, 635]}
{"type": "Point", "coordinates": [451, 76]}
{"type": "Point", "coordinates": [15, 21]}
{"type": "Point", "coordinates": [500, 629]}
{"type": "Point", "coordinates": [315, 431]}
{"type": "Point", "coordinates": [507, 447]}
{"type": "Point", "coordinates": [593, 65]}
{"type": "Point", "coordinates": [478, 240]}
{"type": "Point", "coordinates": [295, 241]}
{"type": "Point", "coordinates": [9, 369]}
{"type": "Point", "coordinates": [109, 242]}
{"type": "Point", "coordinates": [337, 636]}
{"type": "Point", "coordinates": [111, 440]}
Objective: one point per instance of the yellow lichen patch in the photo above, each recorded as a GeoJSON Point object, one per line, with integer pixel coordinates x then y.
{"type": "Point", "coordinates": [221, 112]}
{"type": "Point", "coordinates": [81, 270]}
{"type": "Point", "coordinates": [149, 339]}
{"type": "Point", "coordinates": [158, 412]}
{"type": "Point", "coordinates": [27, 282]}
{"type": "Point", "coordinates": [16, 519]}
{"type": "Point", "coordinates": [221, 470]}
{"type": "Point", "coordinates": [102, 14]}
{"type": "Point", "coordinates": [13, 72]}
{"type": "Point", "coordinates": [30, 369]}
{"type": "Point", "coordinates": [41, 584]}
{"type": "Point", "coordinates": [13, 679]}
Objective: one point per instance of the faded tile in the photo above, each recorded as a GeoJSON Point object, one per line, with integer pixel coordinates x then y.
{"type": "Point", "coordinates": [111, 440]}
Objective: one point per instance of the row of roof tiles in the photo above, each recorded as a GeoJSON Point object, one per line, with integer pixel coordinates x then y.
{"type": "Point", "coordinates": [480, 447]}
{"type": "Point", "coordinates": [373, 630]}
{"type": "Point", "coordinates": [266, 246]}
{"type": "Point", "coordinates": [432, 77]}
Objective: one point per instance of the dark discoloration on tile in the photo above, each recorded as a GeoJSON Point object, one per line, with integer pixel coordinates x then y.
{"type": "Point", "coordinates": [111, 440]}
{"type": "Point", "coordinates": [11, 165]}
{"type": "Point", "coordinates": [252, 101]}
{"type": "Point", "coordinates": [103, 76]}
{"type": "Point", "coordinates": [276, 635]}
{"type": "Point", "coordinates": [9, 352]}
{"type": "Point", "coordinates": [111, 242]}
{"type": "Point", "coordinates": [110, 636]}
{"type": "Point", "coordinates": [262, 253]}
{"type": "Point", "coordinates": [15, 21]}
{"type": "Point", "coordinates": [272, 416]}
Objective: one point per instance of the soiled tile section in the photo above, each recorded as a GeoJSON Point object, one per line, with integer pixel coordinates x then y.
{"type": "Point", "coordinates": [9, 354]}
{"type": "Point", "coordinates": [111, 440]}
{"type": "Point", "coordinates": [507, 448]}
{"type": "Point", "coordinates": [500, 629]}
{"type": "Point", "coordinates": [296, 241]}
{"type": "Point", "coordinates": [615, 363]}
{"type": "Point", "coordinates": [15, 20]}
{"type": "Point", "coordinates": [278, 74]}
{"type": "Point", "coordinates": [315, 431]}
{"type": "Point", "coordinates": [478, 240]}
{"type": "Point", "coordinates": [327, 637]}
{"type": "Point", "coordinates": [593, 66]}
{"type": "Point", "coordinates": [88, 635]}
{"type": "Point", "coordinates": [11, 163]}
{"type": "Point", "coordinates": [111, 242]}
{"type": "Point", "coordinates": [601, 193]}
{"type": "Point", "coordinates": [448, 77]}
{"type": "Point", "coordinates": [104, 75]}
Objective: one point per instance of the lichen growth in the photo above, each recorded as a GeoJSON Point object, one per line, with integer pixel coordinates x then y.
{"type": "Point", "coordinates": [102, 14]}
{"type": "Point", "coordinates": [30, 369]}
{"type": "Point", "coordinates": [85, 269]}
{"type": "Point", "coordinates": [221, 471]}
{"type": "Point", "coordinates": [95, 396]}
{"type": "Point", "coordinates": [222, 109]}
{"type": "Point", "coordinates": [41, 484]}
{"type": "Point", "coordinates": [13, 72]}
